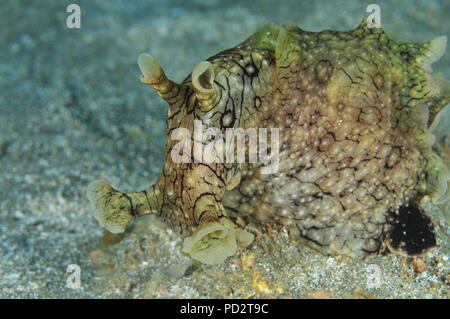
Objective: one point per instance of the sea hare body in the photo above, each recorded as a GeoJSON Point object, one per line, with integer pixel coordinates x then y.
{"type": "Point", "coordinates": [354, 160]}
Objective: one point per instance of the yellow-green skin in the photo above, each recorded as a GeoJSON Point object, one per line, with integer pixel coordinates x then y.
{"type": "Point", "coordinates": [354, 110]}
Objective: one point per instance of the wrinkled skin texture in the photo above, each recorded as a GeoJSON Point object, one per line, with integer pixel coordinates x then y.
{"type": "Point", "coordinates": [354, 111]}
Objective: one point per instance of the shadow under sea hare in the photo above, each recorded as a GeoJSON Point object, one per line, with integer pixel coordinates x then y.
{"type": "Point", "coordinates": [354, 111]}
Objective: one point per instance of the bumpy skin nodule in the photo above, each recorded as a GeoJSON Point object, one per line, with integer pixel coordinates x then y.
{"type": "Point", "coordinates": [354, 111]}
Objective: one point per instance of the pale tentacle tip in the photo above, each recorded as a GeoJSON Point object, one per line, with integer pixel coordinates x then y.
{"type": "Point", "coordinates": [203, 77]}
{"type": "Point", "coordinates": [149, 67]}
{"type": "Point", "coordinates": [203, 83]}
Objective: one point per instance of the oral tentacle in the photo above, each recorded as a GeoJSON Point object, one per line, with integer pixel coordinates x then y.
{"type": "Point", "coordinates": [114, 209]}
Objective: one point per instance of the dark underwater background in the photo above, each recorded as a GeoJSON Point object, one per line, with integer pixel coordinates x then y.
{"type": "Point", "coordinates": [72, 110]}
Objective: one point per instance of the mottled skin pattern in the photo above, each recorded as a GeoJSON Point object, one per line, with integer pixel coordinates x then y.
{"type": "Point", "coordinates": [353, 110]}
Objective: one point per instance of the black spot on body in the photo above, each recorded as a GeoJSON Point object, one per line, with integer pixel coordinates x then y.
{"type": "Point", "coordinates": [412, 231]}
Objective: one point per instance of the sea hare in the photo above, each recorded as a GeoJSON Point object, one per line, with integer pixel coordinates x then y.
{"type": "Point", "coordinates": [355, 164]}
